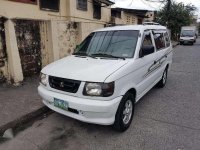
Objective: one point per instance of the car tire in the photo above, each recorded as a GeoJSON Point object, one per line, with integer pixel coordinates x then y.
{"type": "Point", "coordinates": [125, 112]}
{"type": "Point", "coordinates": [163, 80]}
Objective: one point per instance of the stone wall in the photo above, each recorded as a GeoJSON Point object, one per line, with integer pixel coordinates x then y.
{"type": "Point", "coordinates": [67, 37]}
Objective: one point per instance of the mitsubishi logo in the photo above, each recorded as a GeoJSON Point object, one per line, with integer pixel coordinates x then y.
{"type": "Point", "coordinates": [62, 84]}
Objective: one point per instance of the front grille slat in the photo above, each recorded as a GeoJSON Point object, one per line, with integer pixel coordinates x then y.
{"type": "Point", "coordinates": [63, 84]}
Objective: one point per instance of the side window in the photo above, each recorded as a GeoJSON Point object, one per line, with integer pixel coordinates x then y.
{"type": "Point", "coordinates": [147, 39]}
{"type": "Point", "coordinates": [159, 40]}
{"type": "Point", "coordinates": [97, 10]}
{"type": "Point", "coordinates": [167, 39]}
{"type": "Point", "coordinates": [47, 5]}
{"type": "Point", "coordinates": [81, 5]}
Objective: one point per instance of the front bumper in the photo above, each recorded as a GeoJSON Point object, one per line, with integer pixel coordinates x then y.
{"type": "Point", "coordinates": [88, 110]}
{"type": "Point", "coordinates": [187, 40]}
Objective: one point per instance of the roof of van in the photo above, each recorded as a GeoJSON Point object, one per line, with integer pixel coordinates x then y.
{"type": "Point", "coordinates": [132, 27]}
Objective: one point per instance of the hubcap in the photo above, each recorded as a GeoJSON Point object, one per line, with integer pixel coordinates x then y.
{"type": "Point", "coordinates": [127, 112]}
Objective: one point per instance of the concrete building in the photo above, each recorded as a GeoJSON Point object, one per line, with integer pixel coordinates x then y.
{"type": "Point", "coordinates": [34, 33]}
{"type": "Point", "coordinates": [122, 16]}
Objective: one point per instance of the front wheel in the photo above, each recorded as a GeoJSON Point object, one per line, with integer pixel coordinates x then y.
{"type": "Point", "coordinates": [124, 115]}
{"type": "Point", "coordinates": [163, 81]}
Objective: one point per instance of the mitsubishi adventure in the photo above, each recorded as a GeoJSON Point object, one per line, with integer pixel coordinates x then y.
{"type": "Point", "coordinates": [111, 70]}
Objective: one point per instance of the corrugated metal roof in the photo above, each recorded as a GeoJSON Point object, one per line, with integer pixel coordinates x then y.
{"type": "Point", "coordinates": [107, 2]}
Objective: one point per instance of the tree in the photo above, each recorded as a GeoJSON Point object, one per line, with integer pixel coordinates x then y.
{"type": "Point", "coordinates": [177, 16]}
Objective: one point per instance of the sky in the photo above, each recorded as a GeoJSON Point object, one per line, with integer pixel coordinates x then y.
{"type": "Point", "coordinates": [143, 4]}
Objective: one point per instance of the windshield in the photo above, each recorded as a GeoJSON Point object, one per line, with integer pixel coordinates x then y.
{"type": "Point", "coordinates": [114, 44]}
{"type": "Point", "coordinates": [187, 33]}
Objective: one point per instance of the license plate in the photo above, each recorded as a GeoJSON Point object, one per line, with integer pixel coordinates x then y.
{"type": "Point", "coordinates": [60, 104]}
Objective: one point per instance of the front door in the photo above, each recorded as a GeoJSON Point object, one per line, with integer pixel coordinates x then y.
{"type": "Point", "coordinates": [146, 76]}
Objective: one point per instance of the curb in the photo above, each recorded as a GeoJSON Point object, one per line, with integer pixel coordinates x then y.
{"type": "Point", "coordinates": [176, 44]}
{"type": "Point", "coordinates": [24, 119]}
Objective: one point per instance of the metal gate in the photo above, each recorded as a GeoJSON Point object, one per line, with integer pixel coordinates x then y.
{"type": "Point", "coordinates": [3, 57]}
{"type": "Point", "coordinates": [28, 40]}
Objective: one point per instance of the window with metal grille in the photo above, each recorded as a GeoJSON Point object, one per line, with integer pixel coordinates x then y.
{"type": "Point", "coordinates": [96, 10]}
{"type": "Point", "coordinates": [81, 5]}
{"type": "Point", "coordinates": [26, 1]}
{"type": "Point", "coordinates": [52, 5]}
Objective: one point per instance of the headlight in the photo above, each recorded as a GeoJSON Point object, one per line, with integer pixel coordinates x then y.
{"type": "Point", "coordinates": [43, 79]}
{"type": "Point", "coordinates": [99, 89]}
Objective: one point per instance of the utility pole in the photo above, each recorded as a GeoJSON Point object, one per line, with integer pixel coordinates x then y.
{"type": "Point", "coordinates": [168, 11]}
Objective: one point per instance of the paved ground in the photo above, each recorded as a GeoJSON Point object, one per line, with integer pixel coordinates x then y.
{"type": "Point", "coordinates": [18, 101]}
{"type": "Point", "coordinates": [165, 119]}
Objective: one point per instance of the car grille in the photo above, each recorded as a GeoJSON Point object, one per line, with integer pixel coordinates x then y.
{"type": "Point", "coordinates": [63, 84]}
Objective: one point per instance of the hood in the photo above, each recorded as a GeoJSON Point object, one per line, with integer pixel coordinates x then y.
{"type": "Point", "coordinates": [84, 68]}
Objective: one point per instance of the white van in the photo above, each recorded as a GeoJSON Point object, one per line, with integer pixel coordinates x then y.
{"type": "Point", "coordinates": [107, 74]}
{"type": "Point", "coordinates": [188, 35]}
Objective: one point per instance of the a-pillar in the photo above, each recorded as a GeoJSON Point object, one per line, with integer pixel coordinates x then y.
{"type": "Point", "coordinates": [14, 63]}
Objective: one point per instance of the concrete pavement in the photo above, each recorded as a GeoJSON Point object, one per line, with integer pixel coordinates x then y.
{"type": "Point", "coordinates": [19, 104]}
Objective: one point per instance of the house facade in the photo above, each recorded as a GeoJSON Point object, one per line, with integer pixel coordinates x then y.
{"type": "Point", "coordinates": [34, 33]}
{"type": "Point", "coordinates": [122, 16]}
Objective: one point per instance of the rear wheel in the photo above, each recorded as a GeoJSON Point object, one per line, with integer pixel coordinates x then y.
{"type": "Point", "coordinates": [124, 115]}
{"type": "Point", "coordinates": [163, 81]}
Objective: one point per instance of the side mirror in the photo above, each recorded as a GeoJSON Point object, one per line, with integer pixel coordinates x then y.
{"type": "Point", "coordinates": [146, 50]}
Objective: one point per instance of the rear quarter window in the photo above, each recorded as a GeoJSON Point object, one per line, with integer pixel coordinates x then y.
{"type": "Point", "coordinates": [159, 40]}
{"type": "Point", "coordinates": [167, 39]}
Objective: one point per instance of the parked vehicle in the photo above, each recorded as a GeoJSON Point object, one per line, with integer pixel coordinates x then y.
{"type": "Point", "coordinates": [107, 74]}
{"type": "Point", "coordinates": [188, 35]}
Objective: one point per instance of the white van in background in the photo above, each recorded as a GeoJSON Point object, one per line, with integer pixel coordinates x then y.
{"type": "Point", "coordinates": [107, 74]}
{"type": "Point", "coordinates": [188, 35]}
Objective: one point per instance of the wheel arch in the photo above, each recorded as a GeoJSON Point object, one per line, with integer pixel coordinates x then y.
{"type": "Point", "coordinates": [167, 67]}
{"type": "Point", "coordinates": [133, 91]}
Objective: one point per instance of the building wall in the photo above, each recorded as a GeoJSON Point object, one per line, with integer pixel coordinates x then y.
{"type": "Point", "coordinates": [11, 9]}
{"type": "Point", "coordinates": [150, 16]}
{"type": "Point", "coordinates": [67, 35]}
{"type": "Point", "coordinates": [87, 16]}
{"type": "Point", "coordinates": [86, 28]}
{"type": "Point", "coordinates": [126, 18]}
{"type": "Point", "coordinates": [60, 32]}
{"type": "Point", "coordinates": [129, 18]}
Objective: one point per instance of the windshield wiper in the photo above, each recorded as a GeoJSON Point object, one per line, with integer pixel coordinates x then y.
{"type": "Point", "coordinates": [107, 56]}
{"type": "Point", "coordinates": [83, 54]}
